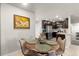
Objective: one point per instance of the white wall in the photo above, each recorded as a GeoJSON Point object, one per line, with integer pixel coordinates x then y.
{"type": "Point", "coordinates": [75, 26]}
{"type": "Point", "coordinates": [10, 36]}
{"type": "Point", "coordinates": [0, 29]}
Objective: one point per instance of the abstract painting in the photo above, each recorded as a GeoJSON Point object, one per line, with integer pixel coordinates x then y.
{"type": "Point", "coordinates": [21, 22]}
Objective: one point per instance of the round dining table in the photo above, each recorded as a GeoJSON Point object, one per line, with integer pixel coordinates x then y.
{"type": "Point", "coordinates": [47, 47]}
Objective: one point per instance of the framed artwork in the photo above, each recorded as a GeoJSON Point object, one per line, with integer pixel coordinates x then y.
{"type": "Point", "coordinates": [21, 22]}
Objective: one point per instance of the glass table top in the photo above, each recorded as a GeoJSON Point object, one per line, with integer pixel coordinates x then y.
{"type": "Point", "coordinates": [43, 47]}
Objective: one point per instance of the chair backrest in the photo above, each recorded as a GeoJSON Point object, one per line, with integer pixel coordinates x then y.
{"type": "Point", "coordinates": [22, 41]}
{"type": "Point", "coordinates": [61, 43]}
{"type": "Point", "coordinates": [27, 46]}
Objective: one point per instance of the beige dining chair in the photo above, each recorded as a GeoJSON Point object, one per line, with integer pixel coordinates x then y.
{"type": "Point", "coordinates": [27, 49]}
{"type": "Point", "coordinates": [23, 49]}
{"type": "Point", "coordinates": [61, 43]}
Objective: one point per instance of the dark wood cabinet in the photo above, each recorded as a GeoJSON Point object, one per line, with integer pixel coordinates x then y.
{"type": "Point", "coordinates": [55, 25]}
{"type": "Point", "coordinates": [48, 27]}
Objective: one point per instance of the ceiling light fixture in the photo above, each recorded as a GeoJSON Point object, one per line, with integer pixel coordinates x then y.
{"type": "Point", "coordinates": [56, 16]}
{"type": "Point", "coordinates": [24, 4]}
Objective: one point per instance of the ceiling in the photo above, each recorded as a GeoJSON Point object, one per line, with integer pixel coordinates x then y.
{"type": "Point", "coordinates": [33, 6]}
{"type": "Point", "coordinates": [29, 7]}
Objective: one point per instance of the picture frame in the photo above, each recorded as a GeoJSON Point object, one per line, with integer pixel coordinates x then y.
{"type": "Point", "coordinates": [21, 22]}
